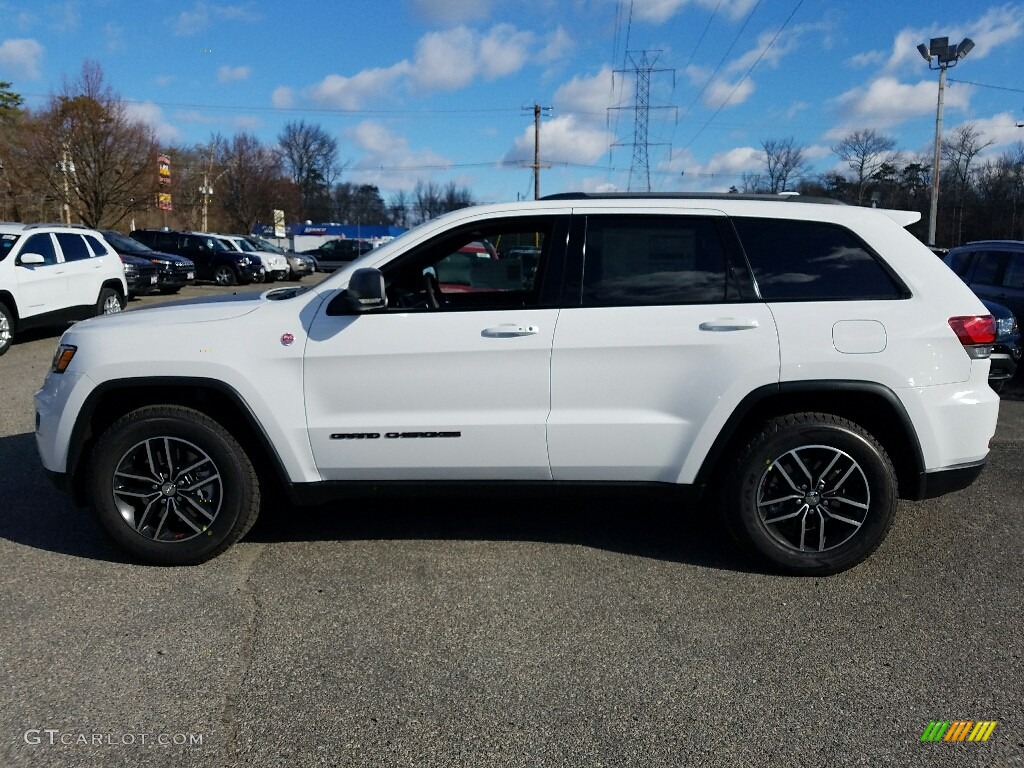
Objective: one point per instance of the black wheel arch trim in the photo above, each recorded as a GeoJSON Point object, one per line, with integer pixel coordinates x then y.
{"type": "Point", "coordinates": [81, 433]}
{"type": "Point", "coordinates": [912, 484]}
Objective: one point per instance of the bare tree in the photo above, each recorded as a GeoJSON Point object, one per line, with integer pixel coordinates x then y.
{"type": "Point", "coordinates": [88, 152]}
{"type": "Point", "coordinates": [250, 173]}
{"type": "Point", "coordinates": [784, 161]}
{"type": "Point", "coordinates": [430, 199]}
{"type": "Point", "coordinates": [959, 152]}
{"type": "Point", "coordinates": [310, 156]}
{"type": "Point", "coordinates": [865, 152]}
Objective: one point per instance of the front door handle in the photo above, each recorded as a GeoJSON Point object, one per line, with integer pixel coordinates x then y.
{"type": "Point", "coordinates": [728, 324]}
{"type": "Point", "coordinates": [508, 330]}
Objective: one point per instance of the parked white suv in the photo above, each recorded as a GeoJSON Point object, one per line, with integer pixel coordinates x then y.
{"type": "Point", "coordinates": [800, 365]}
{"type": "Point", "coordinates": [275, 265]}
{"type": "Point", "coordinates": [52, 274]}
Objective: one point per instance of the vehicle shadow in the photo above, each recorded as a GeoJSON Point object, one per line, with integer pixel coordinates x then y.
{"type": "Point", "coordinates": [35, 514]}
{"type": "Point", "coordinates": [639, 522]}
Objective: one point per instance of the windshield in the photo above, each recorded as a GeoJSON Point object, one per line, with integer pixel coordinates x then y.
{"type": "Point", "coordinates": [122, 243]}
{"type": "Point", "coordinates": [243, 245]}
{"type": "Point", "coordinates": [265, 245]}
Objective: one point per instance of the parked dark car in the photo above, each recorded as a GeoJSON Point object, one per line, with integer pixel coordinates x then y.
{"type": "Point", "coordinates": [338, 253]}
{"type": "Point", "coordinates": [213, 259]}
{"type": "Point", "coordinates": [1006, 351]}
{"type": "Point", "coordinates": [173, 272]}
{"type": "Point", "coordinates": [299, 264]}
{"type": "Point", "coordinates": [140, 275]}
{"type": "Point", "coordinates": [994, 269]}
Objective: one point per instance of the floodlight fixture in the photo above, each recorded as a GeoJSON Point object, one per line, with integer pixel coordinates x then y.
{"type": "Point", "coordinates": [925, 53]}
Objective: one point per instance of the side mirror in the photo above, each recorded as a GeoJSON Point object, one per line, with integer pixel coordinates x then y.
{"type": "Point", "coordinates": [31, 259]}
{"type": "Point", "coordinates": [365, 293]}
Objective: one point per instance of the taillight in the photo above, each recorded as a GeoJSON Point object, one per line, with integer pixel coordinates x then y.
{"type": "Point", "coordinates": [974, 329]}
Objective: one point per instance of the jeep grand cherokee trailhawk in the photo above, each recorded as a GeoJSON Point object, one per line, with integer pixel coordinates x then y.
{"type": "Point", "coordinates": [802, 365]}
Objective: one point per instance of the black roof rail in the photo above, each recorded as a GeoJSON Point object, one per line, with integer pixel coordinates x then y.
{"type": "Point", "coordinates": [783, 197]}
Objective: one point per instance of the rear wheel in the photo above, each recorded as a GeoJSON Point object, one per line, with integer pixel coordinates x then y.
{"type": "Point", "coordinates": [812, 494]}
{"type": "Point", "coordinates": [6, 328]}
{"type": "Point", "coordinates": [172, 486]}
{"type": "Point", "coordinates": [110, 302]}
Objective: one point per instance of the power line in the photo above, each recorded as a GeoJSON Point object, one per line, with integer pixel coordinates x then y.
{"type": "Point", "coordinates": [746, 74]}
{"type": "Point", "coordinates": [986, 85]}
{"type": "Point", "coordinates": [725, 55]}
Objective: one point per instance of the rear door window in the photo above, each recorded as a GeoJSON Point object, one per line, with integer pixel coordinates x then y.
{"type": "Point", "coordinates": [653, 261]}
{"type": "Point", "coordinates": [73, 246]}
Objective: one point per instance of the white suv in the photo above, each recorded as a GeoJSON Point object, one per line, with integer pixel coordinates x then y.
{"type": "Point", "coordinates": [800, 365]}
{"type": "Point", "coordinates": [275, 265]}
{"type": "Point", "coordinates": [52, 274]}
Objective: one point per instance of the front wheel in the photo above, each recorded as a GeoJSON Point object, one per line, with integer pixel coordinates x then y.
{"type": "Point", "coordinates": [224, 275]}
{"type": "Point", "coordinates": [812, 493]}
{"type": "Point", "coordinates": [172, 486]}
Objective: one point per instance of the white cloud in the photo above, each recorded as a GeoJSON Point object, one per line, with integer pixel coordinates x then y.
{"type": "Point", "coordinates": [658, 11]}
{"type": "Point", "coordinates": [998, 26]}
{"type": "Point", "coordinates": [453, 11]}
{"type": "Point", "coordinates": [1000, 129]}
{"type": "Point", "coordinates": [150, 113]}
{"type": "Point", "coordinates": [65, 17]}
{"type": "Point", "coordinates": [886, 102]}
{"type": "Point", "coordinates": [385, 154]}
{"type": "Point", "coordinates": [557, 45]}
{"type": "Point", "coordinates": [22, 57]}
{"type": "Point", "coordinates": [866, 59]}
{"type": "Point", "coordinates": [202, 15]}
{"type": "Point", "coordinates": [227, 74]}
{"type": "Point", "coordinates": [443, 61]}
{"type": "Point", "coordinates": [338, 92]}
{"type": "Point", "coordinates": [282, 97]}
{"type": "Point", "coordinates": [504, 51]}
{"type": "Point", "coordinates": [563, 139]}
{"type": "Point", "coordinates": [590, 97]}
{"type": "Point", "coordinates": [114, 35]}
{"type": "Point", "coordinates": [722, 93]}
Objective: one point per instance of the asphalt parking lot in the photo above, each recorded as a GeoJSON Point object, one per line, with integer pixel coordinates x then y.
{"type": "Point", "coordinates": [577, 631]}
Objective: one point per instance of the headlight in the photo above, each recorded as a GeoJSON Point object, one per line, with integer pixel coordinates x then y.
{"type": "Point", "coordinates": [244, 261]}
{"type": "Point", "coordinates": [1006, 326]}
{"type": "Point", "coordinates": [62, 358]}
{"type": "Point", "coordinates": [130, 269]}
{"type": "Point", "coordinates": [161, 262]}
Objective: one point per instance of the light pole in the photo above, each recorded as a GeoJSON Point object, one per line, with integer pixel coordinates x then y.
{"type": "Point", "coordinates": [940, 55]}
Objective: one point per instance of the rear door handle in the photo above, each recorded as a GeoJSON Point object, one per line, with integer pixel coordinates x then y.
{"type": "Point", "coordinates": [728, 324]}
{"type": "Point", "coordinates": [508, 330]}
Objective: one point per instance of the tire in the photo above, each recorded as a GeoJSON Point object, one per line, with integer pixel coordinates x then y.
{"type": "Point", "coordinates": [110, 302]}
{"type": "Point", "coordinates": [812, 494]}
{"type": "Point", "coordinates": [172, 486]}
{"type": "Point", "coordinates": [224, 275]}
{"type": "Point", "coordinates": [6, 328]}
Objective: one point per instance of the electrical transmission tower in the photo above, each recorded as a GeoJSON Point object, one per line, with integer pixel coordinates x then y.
{"type": "Point", "coordinates": [644, 64]}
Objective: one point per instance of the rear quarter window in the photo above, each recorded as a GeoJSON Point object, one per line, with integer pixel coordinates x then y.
{"type": "Point", "coordinates": [814, 261]}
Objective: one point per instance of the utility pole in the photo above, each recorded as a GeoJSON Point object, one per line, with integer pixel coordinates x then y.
{"type": "Point", "coordinates": [940, 55]}
{"type": "Point", "coordinates": [644, 65]}
{"type": "Point", "coordinates": [538, 110]}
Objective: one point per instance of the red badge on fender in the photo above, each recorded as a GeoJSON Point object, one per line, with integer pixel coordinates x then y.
{"type": "Point", "coordinates": [287, 339]}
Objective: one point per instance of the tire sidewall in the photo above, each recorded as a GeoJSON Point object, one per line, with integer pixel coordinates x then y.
{"type": "Point", "coordinates": [881, 483]}
{"type": "Point", "coordinates": [9, 317]}
{"type": "Point", "coordinates": [121, 438]}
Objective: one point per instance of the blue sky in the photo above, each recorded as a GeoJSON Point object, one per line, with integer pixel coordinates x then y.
{"type": "Point", "coordinates": [442, 89]}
